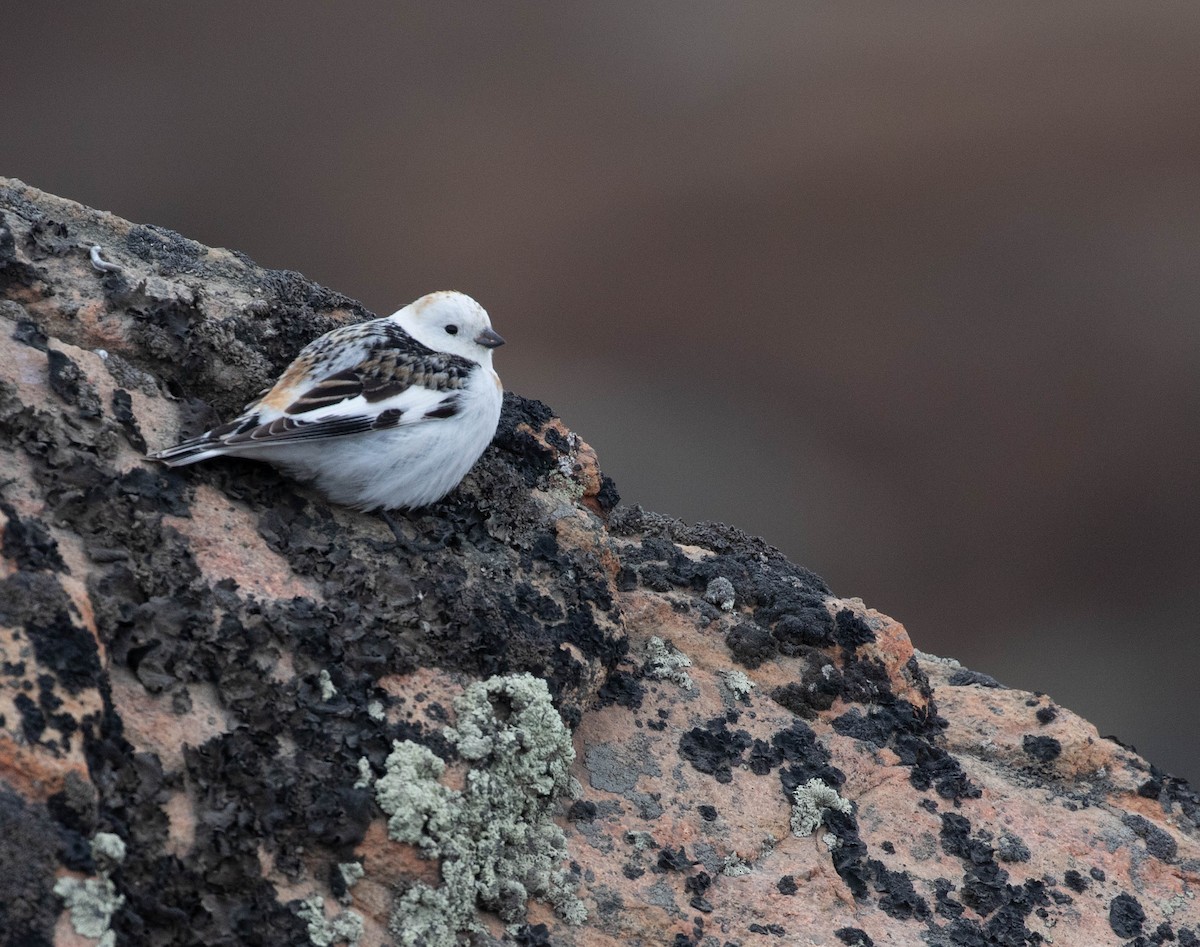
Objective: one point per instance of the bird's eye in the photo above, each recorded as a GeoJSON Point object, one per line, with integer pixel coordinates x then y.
{"type": "Point", "coordinates": [452, 330]}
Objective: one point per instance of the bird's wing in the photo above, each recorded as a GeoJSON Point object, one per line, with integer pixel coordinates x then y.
{"type": "Point", "coordinates": [320, 417]}
{"type": "Point", "coordinates": [358, 378]}
{"type": "Point", "coordinates": [378, 354]}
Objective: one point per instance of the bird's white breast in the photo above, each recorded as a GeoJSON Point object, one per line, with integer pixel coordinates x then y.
{"type": "Point", "coordinates": [406, 466]}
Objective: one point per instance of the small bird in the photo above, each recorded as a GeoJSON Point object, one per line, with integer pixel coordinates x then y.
{"type": "Point", "coordinates": [385, 414]}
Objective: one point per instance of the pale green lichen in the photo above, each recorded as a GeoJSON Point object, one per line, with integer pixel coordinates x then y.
{"type": "Point", "coordinates": [366, 778]}
{"type": "Point", "coordinates": [665, 663]}
{"type": "Point", "coordinates": [345, 928]}
{"type": "Point", "coordinates": [108, 849]}
{"type": "Point", "coordinates": [427, 917]}
{"type": "Point", "coordinates": [497, 844]}
{"type": "Point", "coordinates": [325, 682]}
{"type": "Point", "coordinates": [375, 709]}
{"type": "Point", "coordinates": [735, 866]}
{"type": "Point", "coordinates": [420, 809]}
{"type": "Point", "coordinates": [810, 802]}
{"type": "Point", "coordinates": [738, 684]}
{"type": "Point", "coordinates": [720, 593]}
{"type": "Point", "coordinates": [92, 903]}
{"type": "Point", "coordinates": [351, 872]}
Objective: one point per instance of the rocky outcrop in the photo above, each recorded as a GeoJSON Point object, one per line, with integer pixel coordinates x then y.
{"type": "Point", "coordinates": [231, 713]}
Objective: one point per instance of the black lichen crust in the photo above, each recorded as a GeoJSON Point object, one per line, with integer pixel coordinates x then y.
{"type": "Point", "coordinates": [28, 908]}
{"type": "Point", "coordinates": [984, 887]}
{"type": "Point", "coordinates": [777, 590]}
{"type": "Point", "coordinates": [912, 734]}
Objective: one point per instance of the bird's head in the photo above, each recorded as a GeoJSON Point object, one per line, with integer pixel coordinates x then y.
{"type": "Point", "coordinates": [451, 322]}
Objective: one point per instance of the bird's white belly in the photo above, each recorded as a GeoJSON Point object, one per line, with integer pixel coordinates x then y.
{"type": "Point", "coordinates": [402, 467]}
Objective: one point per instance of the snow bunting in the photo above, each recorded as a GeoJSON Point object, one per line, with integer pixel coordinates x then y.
{"type": "Point", "coordinates": [389, 413]}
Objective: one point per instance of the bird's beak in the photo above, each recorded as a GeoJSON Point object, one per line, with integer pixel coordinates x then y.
{"type": "Point", "coordinates": [489, 339]}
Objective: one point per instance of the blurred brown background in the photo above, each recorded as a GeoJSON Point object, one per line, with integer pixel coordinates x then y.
{"type": "Point", "coordinates": [910, 290]}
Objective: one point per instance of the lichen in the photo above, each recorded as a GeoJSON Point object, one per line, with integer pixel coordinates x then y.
{"type": "Point", "coordinates": [420, 810]}
{"type": "Point", "coordinates": [738, 684]}
{"type": "Point", "coordinates": [641, 841]}
{"type": "Point", "coordinates": [365, 776]}
{"type": "Point", "coordinates": [108, 849]}
{"type": "Point", "coordinates": [428, 917]}
{"type": "Point", "coordinates": [720, 593]}
{"type": "Point", "coordinates": [665, 663]}
{"type": "Point", "coordinates": [811, 801]}
{"type": "Point", "coordinates": [92, 903]}
{"type": "Point", "coordinates": [325, 682]}
{"type": "Point", "coordinates": [346, 927]}
{"type": "Point", "coordinates": [351, 872]}
{"type": "Point", "coordinates": [497, 844]}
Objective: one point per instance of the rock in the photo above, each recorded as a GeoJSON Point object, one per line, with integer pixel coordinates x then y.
{"type": "Point", "coordinates": [237, 687]}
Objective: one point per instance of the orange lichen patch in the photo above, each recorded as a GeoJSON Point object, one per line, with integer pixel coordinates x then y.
{"type": "Point", "coordinates": [577, 531]}
{"type": "Point", "coordinates": [224, 538]}
{"type": "Point", "coordinates": [102, 329]}
{"type": "Point", "coordinates": [579, 462]}
{"type": "Point", "coordinates": [892, 647]}
{"type": "Point", "coordinates": [29, 770]}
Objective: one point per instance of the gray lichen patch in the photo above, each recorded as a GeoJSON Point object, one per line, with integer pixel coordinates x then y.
{"type": "Point", "coordinates": [495, 838]}
{"type": "Point", "coordinates": [108, 849]}
{"type": "Point", "coordinates": [738, 684]}
{"type": "Point", "coordinates": [344, 928]}
{"type": "Point", "coordinates": [665, 663]}
{"type": "Point", "coordinates": [720, 593]}
{"type": "Point", "coordinates": [811, 800]}
{"type": "Point", "coordinates": [351, 872]}
{"type": "Point", "coordinates": [421, 811]}
{"type": "Point", "coordinates": [92, 903]}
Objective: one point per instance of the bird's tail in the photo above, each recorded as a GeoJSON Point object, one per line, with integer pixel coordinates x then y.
{"type": "Point", "coordinates": [212, 443]}
{"type": "Point", "coordinates": [190, 451]}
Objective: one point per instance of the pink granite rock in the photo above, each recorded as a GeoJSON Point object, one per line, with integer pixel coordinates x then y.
{"type": "Point", "coordinates": [231, 713]}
